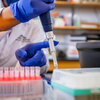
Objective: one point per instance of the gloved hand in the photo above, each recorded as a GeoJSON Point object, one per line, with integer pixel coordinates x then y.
{"type": "Point", "coordinates": [24, 10]}
{"type": "Point", "coordinates": [32, 55]}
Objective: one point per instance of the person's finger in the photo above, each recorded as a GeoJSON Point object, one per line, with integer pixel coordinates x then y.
{"type": "Point", "coordinates": [45, 44]}
{"type": "Point", "coordinates": [20, 54]}
{"type": "Point", "coordinates": [50, 6]}
{"type": "Point", "coordinates": [29, 50]}
{"type": "Point", "coordinates": [34, 61]}
{"type": "Point", "coordinates": [48, 1]}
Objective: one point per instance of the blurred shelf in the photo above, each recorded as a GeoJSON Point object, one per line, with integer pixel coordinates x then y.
{"type": "Point", "coordinates": [65, 65]}
{"type": "Point", "coordinates": [75, 28]}
{"type": "Point", "coordinates": [81, 4]}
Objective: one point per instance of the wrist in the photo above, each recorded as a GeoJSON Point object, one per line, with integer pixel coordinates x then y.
{"type": "Point", "coordinates": [17, 12]}
{"type": "Point", "coordinates": [7, 19]}
{"type": "Point", "coordinates": [7, 14]}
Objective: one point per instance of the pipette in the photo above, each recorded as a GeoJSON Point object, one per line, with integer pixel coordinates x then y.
{"type": "Point", "coordinates": [47, 26]}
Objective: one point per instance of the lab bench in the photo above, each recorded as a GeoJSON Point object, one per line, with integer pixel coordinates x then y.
{"type": "Point", "coordinates": [63, 86]}
{"type": "Point", "coordinates": [63, 64]}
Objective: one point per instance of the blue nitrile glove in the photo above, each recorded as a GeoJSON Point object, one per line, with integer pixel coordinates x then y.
{"type": "Point", "coordinates": [10, 1]}
{"type": "Point", "coordinates": [32, 55]}
{"type": "Point", "coordinates": [24, 10]}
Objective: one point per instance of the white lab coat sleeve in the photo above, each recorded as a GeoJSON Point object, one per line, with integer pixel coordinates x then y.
{"type": "Point", "coordinates": [39, 36]}
{"type": "Point", "coordinates": [1, 10]}
{"type": "Point", "coordinates": [3, 34]}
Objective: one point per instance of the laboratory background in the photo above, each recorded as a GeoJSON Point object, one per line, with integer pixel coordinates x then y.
{"type": "Point", "coordinates": [76, 26]}
{"type": "Point", "coordinates": [74, 21]}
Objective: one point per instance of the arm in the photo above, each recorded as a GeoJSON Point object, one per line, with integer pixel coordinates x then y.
{"type": "Point", "coordinates": [23, 11]}
{"type": "Point", "coordinates": [7, 19]}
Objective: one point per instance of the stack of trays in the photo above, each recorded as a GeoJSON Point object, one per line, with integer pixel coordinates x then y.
{"type": "Point", "coordinates": [77, 84]}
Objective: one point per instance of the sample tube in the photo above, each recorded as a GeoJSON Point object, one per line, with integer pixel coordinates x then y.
{"type": "Point", "coordinates": [37, 72]}
{"type": "Point", "coordinates": [16, 72]}
{"type": "Point", "coordinates": [6, 73]}
{"type": "Point", "coordinates": [11, 72]}
{"type": "Point", "coordinates": [1, 72]}
{"type": "Point", "coordinates": [32, 72]}
{"type": "Point", "coordinates": [27, 72]}
{"type": "Point", "coordinates": [22, 73]}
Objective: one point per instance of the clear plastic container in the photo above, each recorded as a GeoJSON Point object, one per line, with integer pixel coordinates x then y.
{"type": "Point", "coordinates": [43, 92]}
{"type": "Point", "coordinates": [23, 82]}
{"type": "Point", "coordinates": [60, 95]}
{"type": "Point", "coordinates": [23, 89]}
{"type": "Point", "coordinates": [77, 81]}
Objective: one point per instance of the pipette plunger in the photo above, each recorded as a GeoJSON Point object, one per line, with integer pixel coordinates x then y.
{"type": "Point", "coordinates": [47, 26]}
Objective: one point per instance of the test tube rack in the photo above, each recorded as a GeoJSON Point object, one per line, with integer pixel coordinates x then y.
{"type": "Point", "coordinates": [20, 82]}
{"type": "Point", "coordinates": [22, 73]}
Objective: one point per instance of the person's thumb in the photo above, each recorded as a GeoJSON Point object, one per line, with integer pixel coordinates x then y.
{"type": "Point", "coordinates": [20, 54]}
